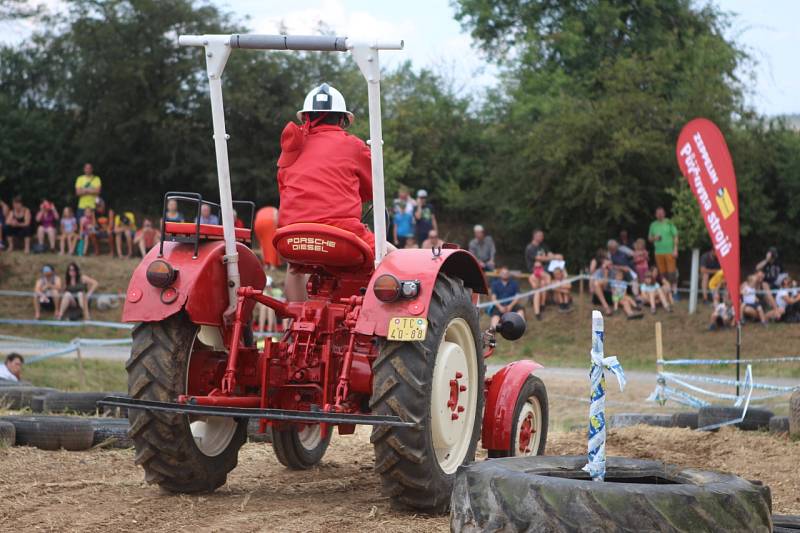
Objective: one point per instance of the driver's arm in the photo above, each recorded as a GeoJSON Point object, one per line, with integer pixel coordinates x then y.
{"type": "Point", "coordinates": [363, 161]}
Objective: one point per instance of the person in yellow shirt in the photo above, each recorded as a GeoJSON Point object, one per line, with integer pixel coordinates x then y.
{"type": "Point", "coordinates": [87, 189]}
{"type": "Point", "coordinates": [125, 230]}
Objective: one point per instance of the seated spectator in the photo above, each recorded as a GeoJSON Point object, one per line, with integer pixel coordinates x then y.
{"type": "Point", "coordinates": [69, 232]}
{"type": "Point", "coordinates": [653, 293]}
{"type": "Point", "coordinates": [709, 265]}
{"type": "Point", "coordinates": [641, 258]}
{"type": "Point", "coordinates": [623, 262]}
{"type": "Point", "coordinates": [88, 227]}
{"type": "Point", "coordinates": [562, 294]}
{"type": "Point", "coordinates": [147, 238]}
{"type": "Point", "coordinates": [722, 316]}
{"type": "Point", "coordinates": [104, 221]}
{"type": "Point", "coordinates": [666, 286]}
{"type": "Point", "coordinates": [772, 268]}
{"type": "Point", "coordinates": [424, 217]}
{"type": "Point", "coordinates": [716, 285]}
{"type": "Point", "coordinates": [765, 295]}
{"type": "Point", "coordinates": [433, 240]}
{"type": "Point", "coordinates": [619, 295]}
{"type": "Point", "coordinates": [78, 290]}
{"type": "Point", "coordinates": [751, 308]}
{"type": "Point", "coordinates": [47, 292]}
{"type": "Point", "coordinates": [402, 218]}
{"type": "Point", "coordinates": [207, 217]}
{"type": "Point", "coordinates": [4, 209]}
{"type": "Point", "coordinates": [597, 261]}
{"type": "Point", "coordinates": [47, 218]}
{"type": "Point", "coordinates": [537, 250]}
{"type": "Point", "coordinates": [125, 231]}
{"type": "Point", "coordinates": [505, 296]}
{"type": "Point", "coordinates": [482, 247]}
{"type": "Point", "coordinates": [788, 301]}
{"type": "Point", "coordinates": [11, 370]}
{"type": "Point", "coordinates": [599, 284]}
{"type": "Point", "coordinates": [172, 214]}
{"type": "Point", "coordinates": [539, 278]}
{"type": "Point", "coordinates": [411, 242]}
{"type": "Point", "coordinates": [19, 225]}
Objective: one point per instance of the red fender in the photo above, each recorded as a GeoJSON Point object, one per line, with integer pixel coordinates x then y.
{"type": "Point", "coordinates": [501, 398]}
{"type": "Point", "coordinates": [421, 265]}
{"type": "Point", "coordinates": [200, 284]}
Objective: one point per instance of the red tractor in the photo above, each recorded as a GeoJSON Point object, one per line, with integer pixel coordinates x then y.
{"type": "Point", "coordinates": [391, 341]}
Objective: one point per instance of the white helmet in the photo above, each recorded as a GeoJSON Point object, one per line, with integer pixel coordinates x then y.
{"type": "Point", "coordinates": [324, 98]}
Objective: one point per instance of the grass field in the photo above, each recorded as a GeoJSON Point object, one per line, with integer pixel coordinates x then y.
{"type": "Point", "coordinates": [557, 340]}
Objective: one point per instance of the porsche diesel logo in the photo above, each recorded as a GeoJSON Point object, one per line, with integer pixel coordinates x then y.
{"type": "Point", "coordinates": [311, 244]}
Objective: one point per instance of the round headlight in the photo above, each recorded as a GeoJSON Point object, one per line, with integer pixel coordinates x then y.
{"type": "Point", "coordinates": [160, 273]}
{"type": "Point", "coordinates": [386, 288]}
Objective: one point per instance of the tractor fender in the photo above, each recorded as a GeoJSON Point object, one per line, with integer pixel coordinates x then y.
{"type": "Point", "coordinates": [502, 390]}
{"type": "Point", "coordinates": [200, 283]}
{"type": "Point", "coordinates": [421, 265]}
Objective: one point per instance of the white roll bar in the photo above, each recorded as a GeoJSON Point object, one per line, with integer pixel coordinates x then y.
{"type": "Point", "coordinates": [218, 49]}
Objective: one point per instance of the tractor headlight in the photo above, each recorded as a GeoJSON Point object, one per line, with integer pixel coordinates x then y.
{"type": "Point", "coordinates": [388, 288]}
{"type": "Point", "coordinates": [161, 274]}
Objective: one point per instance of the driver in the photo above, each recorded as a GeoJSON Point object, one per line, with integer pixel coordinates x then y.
{"type": "Point", "coordinates": [324, 173]}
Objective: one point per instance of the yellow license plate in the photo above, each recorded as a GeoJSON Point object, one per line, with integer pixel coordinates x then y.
{"type": "Point", "coordinates": [407, 329]}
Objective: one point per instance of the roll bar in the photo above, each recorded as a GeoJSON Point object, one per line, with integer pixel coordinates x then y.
{"type": "Point", "coordinates": [218, 49]}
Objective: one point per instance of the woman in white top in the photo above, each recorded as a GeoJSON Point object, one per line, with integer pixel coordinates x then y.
{"type": "Point", "coordinates": [751, 308]}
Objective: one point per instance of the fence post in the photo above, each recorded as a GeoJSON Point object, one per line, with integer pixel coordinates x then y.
{"type": "Point", "coordinates": [81, 371]}
{"type": "Point", "coordinates": [693, 278]}
{"type": "Point", "coordinates": [659, 349]}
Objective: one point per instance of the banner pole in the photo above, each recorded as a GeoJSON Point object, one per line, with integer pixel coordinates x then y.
{"type": "Point", "coordinates": [738, 351]}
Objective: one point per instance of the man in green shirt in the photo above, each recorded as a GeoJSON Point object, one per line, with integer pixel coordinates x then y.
{"type": "Point", "coordinates": [87, 189]}
{"type": "Point", "coordinates": [664, 236]}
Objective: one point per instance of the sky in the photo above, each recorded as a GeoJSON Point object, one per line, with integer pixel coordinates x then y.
{"type": "Point", "coordinates": [767, 29]}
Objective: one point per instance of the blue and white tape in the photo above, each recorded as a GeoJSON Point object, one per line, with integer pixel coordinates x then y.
{"type": "Point", "coordinates": [596, 466]}
{"type": "Point", "coordinates": [690, 362]}
{"type": "Point", "coordinates": [551, 286]}
{"type": "Point", "coordinates": [64, 323]}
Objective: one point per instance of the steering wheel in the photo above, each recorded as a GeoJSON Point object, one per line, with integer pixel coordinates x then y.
{"type": "Point", "coordinates": [366, 217]}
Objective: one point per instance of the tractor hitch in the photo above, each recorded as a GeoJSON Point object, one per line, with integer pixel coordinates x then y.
{"type": "Point", "coordinates": [281, 415]}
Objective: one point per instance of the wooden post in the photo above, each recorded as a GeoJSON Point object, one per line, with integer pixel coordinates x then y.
{"type": "Point", "coordinates": [580, 294]}
{"type": "Point", "coordinates": [659, 348]}
{"type": "Point", "coordinates": [81, 371]}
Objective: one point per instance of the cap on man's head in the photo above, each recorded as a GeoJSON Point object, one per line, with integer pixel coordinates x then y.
{"type": "Point", "coordinates": [478, 227]}
{"type": "Point", "coordinates": [47, 269]}
{"type": "Point", "coordinates": [422, 193]}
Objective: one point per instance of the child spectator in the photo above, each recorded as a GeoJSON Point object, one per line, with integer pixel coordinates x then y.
{"type": "Point", "coordinates": [716, 284]}
{"type": "Point", "coordinates": [599, 283]}
{"type": "Point", "coordinates": [641, 258]}
{"type": "Point", "coordinates": [403, 219]}
{"type": "Point", "coordinates": [47, 217]}
{"type": "Point", "coordinates": [539, 278]}
{"type": "Point", "coordinates": [666, 286]}
{"type": "Point", "coordinates": [787, 300]}
{"type": "Point", "coordinates": [505, 289]}
{"type": "Point", "coordinates": [751, 307]}
{"type": "Point", "coordinates": [147, 238]}
{"type": "Point", "coordinates": [562, 293]}
{"type": "Point", "coordinates": [69, 232]}
{"type": "Point", "coordinates": [88, 231]}
{"type": "Point", "coordinates": [652, 293]}
{"type": "Point", "coordinates": [722, 315]}
{"type": "Point", "coordinates": [47, 291]}
{"type": "Point", "coordinates": [620, 298]}
{"type": "Point", "coordinates": [104, 222]}
{"type": "Point", "coordinates": [124, 230]}
{"type": "Point", "coordinates": [19, 224]}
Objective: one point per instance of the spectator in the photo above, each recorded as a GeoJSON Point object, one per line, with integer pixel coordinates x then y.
{"type": "Point", "coordinates": [433, 240]}
{"type": "Point", "coordinates": [788, 301]}
{"type": "Point", "coordinates": [505, 296]}
{"type": "Point", "coordinates": [599, 283]}
{"type": "Point", "coordinates": [87, 189]}
{"type": "Point", "coordinates": [624, 263]}
{"type": "Point", "coordinates": [12, 369]}
{"type": "Point", "coordinates": [772, 268]}
{"type": "Point", "coordinates": [664, 236]}
{"type": "Point", "coordinates": [653, 293]}
{"type": "Point", "coordinates": [562, 294]}
{"type": "Point", "coordinates": [207, 217]}
{"type": "Point", "coordinates": [665, 285]}
{"type": "Point", "coordinates": [411, 242]}
{"type": "Point", "coordinates": [482, 247]}
{"type": "Point", "coordinates": [625, 245]}
{"type": "Point", "coordinates": [147, 238]}
{"type": "Point", "coordinates": [765, 297]}
{"type": "Point", "coordinates": [722, 316]}
{"type": "Point", "coordinates": [403, 218]}
{"type": "Point", "coordinates": [641, 258]}
{"type": "Point", "coordinates": [125, 231]}
{"type": "Point", "coordinates": [539, 278]}
{"type": "Point", "coordinates": [4, 209]}
{"type": "Point", "coordinates": [104, 222]}
{"type": "Point", "coordinates": [619, 295]}
{"type": "Point", "coordinates": [751, 307]}
{"type": "Point", "coordinates": [172, 214]}
{"type": "Point", "coordinates": [538, 250]}
{"type": "Point", "coordinates": [19, 224]}
{"type": "Point", "coordinates": [69, 232]}
{"type": "Point", "coordinates": [424, 217]}
{"type": "Point", "coordinates": [78, 290]}
{"type": "Point", "coordinates": [597, 261]}
{"type": "Point", "coordinates": [47, 217]}
{"type": "Point", "coordinates": [709, 266]}
{"type": "Point", "coordinates": [47, 292]}
{"type": "Point", "coordinates": [716, 284]}
{"type": "Point", "coordinates": [88, 227]}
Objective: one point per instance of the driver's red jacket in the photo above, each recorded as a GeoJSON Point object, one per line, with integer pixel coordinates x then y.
{"type": "Point", "coordinates": [327, 181]}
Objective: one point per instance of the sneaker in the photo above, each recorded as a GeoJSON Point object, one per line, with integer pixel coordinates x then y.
{"type": "Point", "coordinates": [712, 327]}
{"type": "Point", "coordinates": [635, 316]}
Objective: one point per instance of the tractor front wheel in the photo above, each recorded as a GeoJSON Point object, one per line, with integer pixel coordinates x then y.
{"type": "Point", "coordinates": [437, 384]}
{"type": "Point", "coordinates": [300, 449]}
{"type": "Point", "coordinates": [180, 453]}
{"type": "Point", "coordinates": [529, 424]}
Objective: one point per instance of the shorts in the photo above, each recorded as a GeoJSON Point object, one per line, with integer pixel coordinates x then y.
{"type": "Point", "coordinates": [18, 231]}
{"type": "Point", "coordinates": [666, 263]}
{"type": "Point", "coordinates": [47, 304]}
{"type": "Point", "coordinates": [496, 310]}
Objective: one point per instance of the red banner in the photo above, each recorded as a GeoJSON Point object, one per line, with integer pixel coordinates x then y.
{"type": "Point", "coordinates": [706, 162]}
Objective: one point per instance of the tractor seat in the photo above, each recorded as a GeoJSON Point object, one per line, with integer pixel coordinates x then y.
{"type": "Point", "coordinates": [308, 243]}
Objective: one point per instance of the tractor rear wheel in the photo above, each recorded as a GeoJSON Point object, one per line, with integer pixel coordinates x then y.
{"type": "Point", "coordinates": [438, 385]}
{"type": "Point", "coordinates": [180, 453]}
{"type": "Point", "coordinates": [300, 449]}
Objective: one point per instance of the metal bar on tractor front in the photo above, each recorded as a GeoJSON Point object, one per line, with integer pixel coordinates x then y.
{"type": "Point", "coordinates": [319, 43]}
{"type": "Point", "coordinates": [281, 415]}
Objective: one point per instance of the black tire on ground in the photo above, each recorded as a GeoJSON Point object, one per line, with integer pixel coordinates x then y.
{"type": "Point", "coordinates": [536, 494]}
{"type": "Point", "coordinates": [37, 404]}
{"type": "Point", "coordinates": [165, 447]}
{"type": "Point", "coordinates": [19, 397]}
{"type": "Point", "coordinates": [8, 434]}
{"type": "Point", "coordinates": [403, 377]}
{"type": "Point", "coordinates": [785, 523]}
{"type": "Point", "coordinates": [293, 453]}
{"type": "Point", "coordinates": [624, 420]}
{"type": "Point", "coordinates": [754, 419]}
{"type": "Point", "coordinates": [779, 424]}
{"type": "Point", "coordinates": [794, 414]}
{"type": "Point", "coordinates": [533, 386]}
{"type": "Point", "coordinates": [53, 432]}
{"type": "Point", "coordinates": [111, 432]}
{"type": "Point", "coordinates": [687, 419]}
{"type": "Point", "coordinates": [73, 402]}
